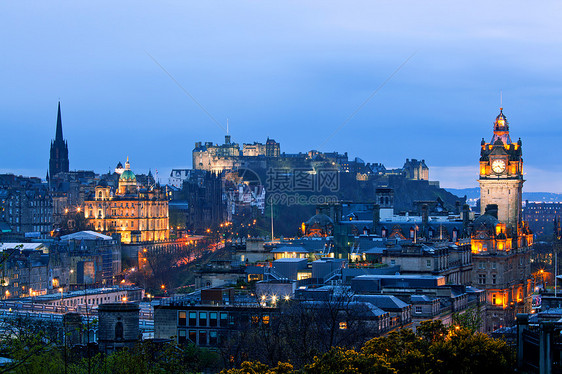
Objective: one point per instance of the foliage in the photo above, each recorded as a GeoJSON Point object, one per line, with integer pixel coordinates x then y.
{"type": "Point", "coordinates": [470, 319]}
{"type": "Point", "coordinates": [433, 348]}
{"type": "Point", "coordinates": [339, 360]}
{"type": "Point", "coordinates": [248, 367]}
{"type": "Point", "coordinates": [298, 331]}
{"type": "Point", "coordinates": [32, 355]}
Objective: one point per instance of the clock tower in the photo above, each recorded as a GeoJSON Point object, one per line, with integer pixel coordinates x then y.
{"type": "Point", "coordinates": [501, 175]}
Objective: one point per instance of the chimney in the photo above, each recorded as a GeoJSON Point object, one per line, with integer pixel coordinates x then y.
{"type": "Point", "coordinates": [465, 217]}
{"type": "Point", "coordinates": [376, 216]}
{"type": "Point", "coordinates": [227, 139]}
{"type": "Point", "coordinates": [492, 209]}
{"type": "Point", "coordinates": [425, 214]}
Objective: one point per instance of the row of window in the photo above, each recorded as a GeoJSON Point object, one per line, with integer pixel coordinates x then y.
{"type": "Point", "coordinates": [482, 279]}
{"type": "Point", "coordinates": [202, 319]}
{"type": "Point", "coordinates": [199, 337]}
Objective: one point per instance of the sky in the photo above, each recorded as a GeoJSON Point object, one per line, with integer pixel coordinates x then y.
{"type": "Point", "coordinates": [147, 79]}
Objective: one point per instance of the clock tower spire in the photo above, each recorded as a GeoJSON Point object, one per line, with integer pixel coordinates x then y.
{"type": "Point", "coordinates": [501, 175]}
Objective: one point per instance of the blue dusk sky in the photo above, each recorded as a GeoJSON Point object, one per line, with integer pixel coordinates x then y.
{"type": "Point", "coordinates": [291, 70]}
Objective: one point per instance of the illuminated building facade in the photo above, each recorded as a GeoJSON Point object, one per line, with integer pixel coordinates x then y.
{"type": "Point", "coordinates": [500, 240]}
{"type": "Point", "coordinates": [138, 213]}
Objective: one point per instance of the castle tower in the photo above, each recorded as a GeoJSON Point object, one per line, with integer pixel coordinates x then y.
{"type": "Point", "coordinates": [58, 161]}
{"type": "Point", "coordinates": [501, 175]}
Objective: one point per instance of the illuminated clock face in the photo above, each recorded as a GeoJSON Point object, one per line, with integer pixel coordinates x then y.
{"type": "Point", "coordinates": [498, 166]}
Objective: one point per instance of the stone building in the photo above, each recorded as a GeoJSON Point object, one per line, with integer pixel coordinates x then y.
{"type": "Point", "coordinates": [26, 205]}
{"type": "Point", "coordinates": [416, 170]}
{"type": "Point", "coordinates": [501, 241]}
{"type": "Point", "coordinates": [138, 213]}
{"type": "Point", "coordinates": [206, 325]}
{"type": "Point", "coordinates": [118, 326]}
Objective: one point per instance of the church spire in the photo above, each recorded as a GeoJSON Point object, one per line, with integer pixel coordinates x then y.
{"type": "Point", "coordinates": [58, 135]}
{"type": "Point", "coordinates": [58, 161]}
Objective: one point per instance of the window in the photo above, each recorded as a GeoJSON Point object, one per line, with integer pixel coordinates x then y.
{"type": "Point", "coordinates": [202, 337]}
{"type": "Point", "coordinates": [202, 318]}
{"type": "Point", "coordinates": [493, 278]}
{"type": "Point", "coordinates": [182, 336]}
{"type": "Point", "coordinates": [212, 319]}
{"type": "Point", "coordinates": [224, 317]}
{"type": "Point", "coordinates": [192, 318]}
{"type": "Point", "coordinates": [392, 262]}
{"type": "Point", "coordinates": [428, 263]}
{"type": "Point", "coordinates": [418, 309]}
{"type": "Point", "coordinates": [494, 299]}
{"type": "Point", "coordinates": [493, 265]}
{"type": "Point", "coordinates": [182, 318]}
{"type": "Point", "coordinates": [119, 331]}
{"type": "Point", "coordinates": [193, 336]}
{"type": "Point", "coordinates": [265, 320]}
{"type": "Point", "coordinates": [213, 338]}
{"type": "Point", "coordinates": [343, 325]}
{"type": "Point", "coordinates": [481, 278]}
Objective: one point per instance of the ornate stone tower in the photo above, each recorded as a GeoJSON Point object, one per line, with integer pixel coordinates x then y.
{"type": "Point", "coordinates": [58, 162]}
{"type": "Point", "coordinates": [501, 175]}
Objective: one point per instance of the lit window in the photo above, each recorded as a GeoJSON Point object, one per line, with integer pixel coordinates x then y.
{"type": "Point", "coordinates": [343, 325]}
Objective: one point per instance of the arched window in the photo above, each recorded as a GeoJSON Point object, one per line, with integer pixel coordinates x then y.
{"type": "Point", "coordinates": [119, 331]}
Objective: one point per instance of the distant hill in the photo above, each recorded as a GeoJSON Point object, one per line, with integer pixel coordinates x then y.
{"type": "Point", "coordinates": [473, 194]}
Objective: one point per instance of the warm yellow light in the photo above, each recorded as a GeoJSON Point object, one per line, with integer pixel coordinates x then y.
{"type": "Point", "coordinates": [162, 286]}
{"type": "Point", "coordinates": [124, 299]}
{"type": "Point", "coordinates": [60, 290]}
{"type": "Point", "coordinates": [7, 293]}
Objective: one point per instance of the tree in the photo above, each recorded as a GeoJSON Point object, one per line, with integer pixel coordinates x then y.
{"type": "Point", "coordinates": [339, 360]}
{"type": "Point", "coordinates": [470, 319]}
{"type": "Point", "coordinates": [434, 348]}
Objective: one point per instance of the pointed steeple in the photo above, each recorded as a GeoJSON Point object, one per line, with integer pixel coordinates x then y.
{"type": "Point", "coordinates": [58, 161]}
{"type": "Point", "coordinates": [58, 135]}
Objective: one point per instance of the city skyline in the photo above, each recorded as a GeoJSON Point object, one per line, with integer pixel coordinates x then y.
{"type": "Point", "coordinates": [295, 84]}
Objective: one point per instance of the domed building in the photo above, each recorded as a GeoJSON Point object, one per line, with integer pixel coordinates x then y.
{"type": "Point", "coordinates": [127, 180]}
{"type": "Point", "coordinates": [489, 234]}
{"type": "Point", "coordinates": [138, 213]}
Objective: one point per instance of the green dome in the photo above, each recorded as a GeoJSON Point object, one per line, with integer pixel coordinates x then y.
{"type": "Point", "coordinates": [127, 175]}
